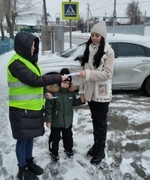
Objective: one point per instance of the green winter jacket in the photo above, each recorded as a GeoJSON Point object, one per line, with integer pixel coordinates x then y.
{"type": "Point", "coordinates": [59, 111]}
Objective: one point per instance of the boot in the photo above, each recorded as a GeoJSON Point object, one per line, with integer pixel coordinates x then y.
{"type": "Point", "coordinates": [98, 156]}
{"type": "Point", "coordinates": [69, 154]}
{"type": "Point", "coordinates": [54, 156]}
{"type": "Point", "coordinates": [92, 150]}
{"type": "Point", "coordinates": [37, 170]}
{"type": "Point", "coordinates": [25, 174]}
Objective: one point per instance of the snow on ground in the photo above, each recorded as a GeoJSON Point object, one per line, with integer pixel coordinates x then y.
{"type": "Point", "coordinates": [128, 141]}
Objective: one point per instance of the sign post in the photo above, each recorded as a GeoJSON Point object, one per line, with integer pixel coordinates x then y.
{"type": "Point", "coordinates": [70, 11]}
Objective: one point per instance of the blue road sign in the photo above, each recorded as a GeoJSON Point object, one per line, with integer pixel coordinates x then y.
{"type": "Point", "coordinates": [70, 10]}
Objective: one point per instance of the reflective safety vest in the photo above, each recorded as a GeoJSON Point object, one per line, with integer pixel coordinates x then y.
{"type": "Point", "coordinates": [21, 95]}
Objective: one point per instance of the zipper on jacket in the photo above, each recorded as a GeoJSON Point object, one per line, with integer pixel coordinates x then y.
{"type": "Point", "coordinates": [26, 112]}
{"type": "Point", "coordinates": [64, 110]}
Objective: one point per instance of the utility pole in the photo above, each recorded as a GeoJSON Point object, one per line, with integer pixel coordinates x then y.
{"type": "Point", "coordinates": [105, 16]}
{"type": "Point", "coordinates": [46, 43]}
{"type": "Point", "coordinates": [145, 16]}
{"type": "Point", "coordinates": [70, 29]}
{"type": "Point", "coordinates": [88, 10]}
{"type": "Point", "coordinates": [114, 17]}
{"type": "Point", "coordinates": [45, 12]}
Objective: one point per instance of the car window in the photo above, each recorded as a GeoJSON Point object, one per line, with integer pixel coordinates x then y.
{"type": "Point", "coordinates": [69, 52]}
{"type": "Point", "coordinates": [113, 45]}
{"type": "Point", "coordinates": [129, 49]}
{"type": "Point", "coordinates": [147, 51]}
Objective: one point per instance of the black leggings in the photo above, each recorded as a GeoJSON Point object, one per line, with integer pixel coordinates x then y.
{"type": "Point", "coordinates": [99, 112]}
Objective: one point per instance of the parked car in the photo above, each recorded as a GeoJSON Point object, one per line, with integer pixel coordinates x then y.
{"type": "Point", "coordinates": [132, 63]}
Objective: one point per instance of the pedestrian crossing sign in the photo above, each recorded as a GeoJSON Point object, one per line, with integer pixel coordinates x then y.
{"type": "Point", "coordinates": [70, 10]}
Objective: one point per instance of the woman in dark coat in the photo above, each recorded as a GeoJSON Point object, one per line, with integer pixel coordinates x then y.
{"type": "Point", "coordinates": [26, 82]}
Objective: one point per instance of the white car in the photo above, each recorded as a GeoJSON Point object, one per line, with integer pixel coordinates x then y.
{"type": "Point", "coordinates": [132, 63]}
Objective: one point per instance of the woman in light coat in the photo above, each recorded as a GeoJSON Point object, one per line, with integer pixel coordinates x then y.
{"type": "Point", "coordinates": [95, 86]}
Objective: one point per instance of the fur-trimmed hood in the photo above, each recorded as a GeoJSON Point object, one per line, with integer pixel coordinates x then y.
{"type": "Point", "coordinates": [55, 88]}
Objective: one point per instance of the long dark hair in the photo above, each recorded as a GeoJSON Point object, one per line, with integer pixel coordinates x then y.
{"type": "Point", "coordinates": [97, 56]}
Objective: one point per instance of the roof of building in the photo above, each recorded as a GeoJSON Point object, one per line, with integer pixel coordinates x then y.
{"type": "Point", "coordinates": [29, 20]}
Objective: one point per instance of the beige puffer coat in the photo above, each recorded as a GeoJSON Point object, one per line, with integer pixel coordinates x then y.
{"type": "Point", "coordinates": [97, 85]}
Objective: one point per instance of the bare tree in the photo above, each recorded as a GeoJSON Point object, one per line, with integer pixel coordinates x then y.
{"type": "Point", "coordinates": [133, 12]}
{"type": "Point", "coordinates": [2, 13]}
{"type": "Point", "coordinates": [14, 8]}
{"type": "Point", "coordinates": [78, 23]}
{"type": "Point", "coordinates": [10, 17]}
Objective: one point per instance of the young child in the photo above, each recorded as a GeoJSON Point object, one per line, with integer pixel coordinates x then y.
{"type": "Point", "coordinates": [59, 115]}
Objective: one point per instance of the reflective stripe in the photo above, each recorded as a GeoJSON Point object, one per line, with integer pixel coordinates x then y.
{"type": "Point", "coordinates": [26, 97]}
{"type": "Point", "coordinates": [21, 95]}
{"type": "Point", "coordinates": [17, 84]}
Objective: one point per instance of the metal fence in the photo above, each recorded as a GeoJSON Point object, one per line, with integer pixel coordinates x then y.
{"type": "Point", "coordinates": [6, 45]}
{"type": "Point", "coordinates": [138, 29]}
{"type": "Point", "coordinates": [52, 38]}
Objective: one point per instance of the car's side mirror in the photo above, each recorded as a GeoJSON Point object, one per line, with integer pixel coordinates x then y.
{"type": "Point", "coordinates": [79, 58]}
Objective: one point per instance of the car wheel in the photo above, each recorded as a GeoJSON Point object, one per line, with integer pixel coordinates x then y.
{"type": "Point", "coordinates": [146, 86]}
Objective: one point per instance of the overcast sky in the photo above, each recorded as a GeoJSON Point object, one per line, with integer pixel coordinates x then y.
{"type": "Point", "coordinates": [97, 7]}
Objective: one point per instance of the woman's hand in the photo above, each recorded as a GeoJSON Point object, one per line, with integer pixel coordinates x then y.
{"type": "Point", "coordinates": [82, 98]}
{"type": "Point", "coordinates": [64, 77]}
{"type": "Point", "coordinates": [48, 95]}
{"type": "Point", "coordinates": [82, 74]}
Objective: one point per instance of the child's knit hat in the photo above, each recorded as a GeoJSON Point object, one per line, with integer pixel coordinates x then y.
{"type": "Point", "coordinates": [100, 28]}
{"type": "Point", "coordinates": [66, 71]}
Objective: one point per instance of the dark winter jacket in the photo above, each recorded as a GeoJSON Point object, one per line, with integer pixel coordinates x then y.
{"type": "Point", "coordinates": [59, 111]}
{"type": "Point", "coordinates": [28, 123]}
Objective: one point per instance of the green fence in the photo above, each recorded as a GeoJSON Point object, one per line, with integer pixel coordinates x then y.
{"type": "Point", "coordinates": [6, 45]}
{"type": "Point", "coordinates": [32, 30]}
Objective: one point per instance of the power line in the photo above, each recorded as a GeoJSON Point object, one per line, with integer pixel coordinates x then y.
{"type": "Point", "coordinates": [129, 3]}
{"type": "Point", "coordinates": [95, 2]}
{"type": "Point", "coordinates": [144, 1]}
{"type": "Point", "coordinates": [103, 6]}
